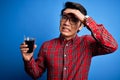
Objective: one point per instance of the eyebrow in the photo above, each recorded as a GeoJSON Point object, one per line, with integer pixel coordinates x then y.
{"type": "Point", "coordinates": [70, 14]}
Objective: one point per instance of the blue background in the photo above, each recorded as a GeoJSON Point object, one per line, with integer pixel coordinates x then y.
{"type": "Point", "coordinates": [40, 19]}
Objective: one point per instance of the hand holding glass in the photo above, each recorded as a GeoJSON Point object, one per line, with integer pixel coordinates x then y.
{"type": "Point", "coordinates": [30, 42]}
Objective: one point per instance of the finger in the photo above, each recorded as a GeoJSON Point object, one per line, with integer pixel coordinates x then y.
{"type": "Point", "coordinates": [69, 11]}
{"type": "Point", "coordinates": [24, 50]}
{"type": "Point", "coordinates": [23, 43]}
{"type": "Point", "coordinates": [23, 46]}
{"type": "Point", "coordinates": [35, 46]}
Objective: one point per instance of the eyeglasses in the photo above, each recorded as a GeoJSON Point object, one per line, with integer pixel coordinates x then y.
{"type": "Point", "coordinates": [73, 20]}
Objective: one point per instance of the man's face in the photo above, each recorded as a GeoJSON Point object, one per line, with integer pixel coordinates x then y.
{"type": "Point", "coordinates": [69, 24]}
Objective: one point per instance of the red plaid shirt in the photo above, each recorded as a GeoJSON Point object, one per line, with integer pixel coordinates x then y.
{"type": "Point", "coordinates": [70, 60]}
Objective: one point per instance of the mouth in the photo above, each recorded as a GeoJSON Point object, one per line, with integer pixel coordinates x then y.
{"type": "Point", "coordinates": [64, 29]}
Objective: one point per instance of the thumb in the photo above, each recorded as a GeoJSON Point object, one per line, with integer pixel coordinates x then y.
{"type": "Point", "coordinates": [35, 46]}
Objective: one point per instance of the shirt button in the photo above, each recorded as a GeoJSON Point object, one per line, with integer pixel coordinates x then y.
{"type": "Point", "coordinates": [65, 68]}
{"type": "Point", "coordinates": [66, 44]}
{"type": "Point", "coordinates": [65, 55]}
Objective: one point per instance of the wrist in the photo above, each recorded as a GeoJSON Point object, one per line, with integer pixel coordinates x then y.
{"type": "Point", "coordinates": [85, 18]}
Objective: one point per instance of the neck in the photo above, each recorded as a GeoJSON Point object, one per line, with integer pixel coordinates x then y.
{"type": "Point", "coordinates": [68, 37]}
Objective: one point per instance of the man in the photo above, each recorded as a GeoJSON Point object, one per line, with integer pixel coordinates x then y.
{"type": "Point", "coordinates": [68, 57]}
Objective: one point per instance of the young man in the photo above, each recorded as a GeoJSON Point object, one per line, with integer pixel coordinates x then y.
{"type": "Point", "coordinates": [69, 56]}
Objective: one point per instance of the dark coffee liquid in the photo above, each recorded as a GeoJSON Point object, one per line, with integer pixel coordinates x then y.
{"type": "Point", "coordinates": [30, 44]}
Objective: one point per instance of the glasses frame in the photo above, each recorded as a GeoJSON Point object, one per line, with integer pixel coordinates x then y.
{"type": "Point", "coordinates": [72, 19]}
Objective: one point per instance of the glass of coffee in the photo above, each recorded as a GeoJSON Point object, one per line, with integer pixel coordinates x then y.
{"type": "Point", "coordinates": [30, 42]}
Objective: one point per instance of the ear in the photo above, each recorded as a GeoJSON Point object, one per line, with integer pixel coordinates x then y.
{"type": "Point", "coordinates": [81, 26]}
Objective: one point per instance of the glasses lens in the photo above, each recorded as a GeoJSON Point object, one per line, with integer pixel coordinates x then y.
{"type": "Point", "coordinates": [64, 18]}
{"type": "Point", "coordinates": [72, 19]}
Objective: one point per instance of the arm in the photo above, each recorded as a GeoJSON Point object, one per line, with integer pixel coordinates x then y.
{"type": "Point", "coordinates": [105, 43]}
{"type": "Point", "coordinates": [35, 68]}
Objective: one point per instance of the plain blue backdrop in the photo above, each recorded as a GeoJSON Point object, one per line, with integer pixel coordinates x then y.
{"type": "Point", "coordinates": [40, 19]}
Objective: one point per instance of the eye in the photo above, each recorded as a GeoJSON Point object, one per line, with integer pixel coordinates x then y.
{"type": "Point", "coordinates": [64, 17]}
{"type": "Point", "coordinates": [75, 20]}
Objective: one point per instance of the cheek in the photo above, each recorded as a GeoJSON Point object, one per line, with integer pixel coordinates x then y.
{"type": "Point", "coordinates": [60, 24]}
{"type": "Point", "coordinates": [60, 27]}
{"type": "Point", "coordinates": [75, 29]}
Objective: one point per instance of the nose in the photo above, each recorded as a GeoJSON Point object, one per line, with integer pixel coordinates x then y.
{"type": "Point", "coordinates": [67, 22]}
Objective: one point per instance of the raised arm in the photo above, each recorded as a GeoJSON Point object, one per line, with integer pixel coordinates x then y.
{"type": "Point", "coordinates": [105, 43]}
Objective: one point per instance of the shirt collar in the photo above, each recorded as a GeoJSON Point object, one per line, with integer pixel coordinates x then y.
{"type": "Point", "coordinates": [63, 40]}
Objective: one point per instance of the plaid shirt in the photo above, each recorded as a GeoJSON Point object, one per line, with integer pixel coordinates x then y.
{"type": "Point", "coordinates": [70, 60]}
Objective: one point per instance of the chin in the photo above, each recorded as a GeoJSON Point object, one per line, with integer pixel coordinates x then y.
{"type": "Point", "coordinates": [65, 34]}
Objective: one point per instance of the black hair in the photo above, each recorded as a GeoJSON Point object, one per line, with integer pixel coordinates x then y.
{"type": "Point", "coordinates": [74, 5]}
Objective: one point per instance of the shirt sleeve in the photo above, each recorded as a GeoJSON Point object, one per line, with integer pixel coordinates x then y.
{"type": "Point", "coordinates": [35, 68]}
{"type": "Point", "coordinates": [105, 43]}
